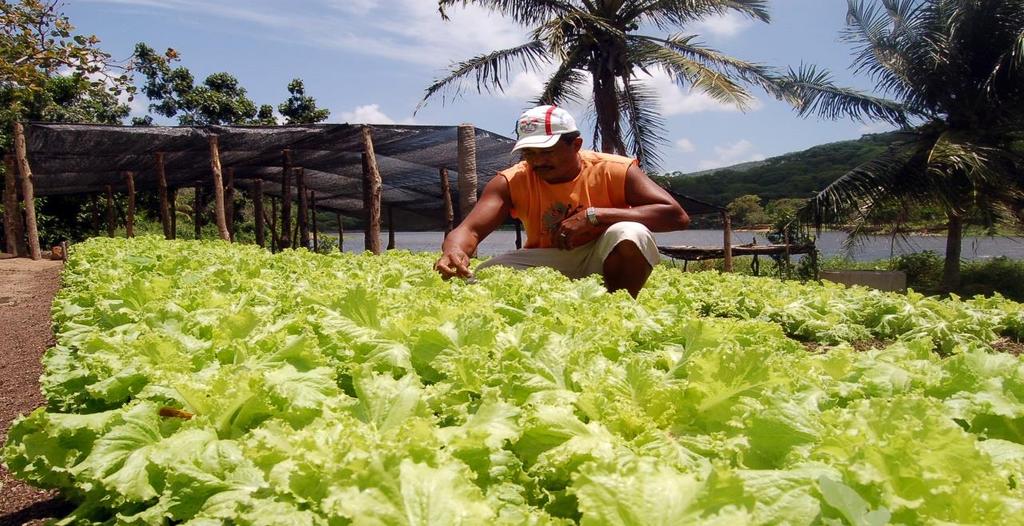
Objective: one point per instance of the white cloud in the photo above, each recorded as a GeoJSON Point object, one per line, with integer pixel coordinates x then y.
{"type": "Point", "coordinates": [727, 25]}
{"type": "Point", "coordinates": [686, 145]}
{"type": "Point", "coordinates": [355, 7]}
{"type": "Point", "coordinates": [741, 151]}
{"type": "Point", "coordinates": [407, 30]}
{"type": "Point", "coordinates": [526, 85]}
{"type": "Point", "coordinates": [674, 100]}
{"type": "Point", "coordinates": [370, 114]}
{"type": "Point", "coordinates": [876, 127]}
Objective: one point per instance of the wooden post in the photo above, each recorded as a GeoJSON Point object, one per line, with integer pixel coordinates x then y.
{"type": "Point", "coordinates": [785, 255]}
{"type": "Point", "coordinates": [727, 240]}
{"type": "Point", "coordinates": [341, 233]}
{"type": "Point", "coordinates": [284, 239]}
{"type": "Point", "coordinates": [218, 190]}
{"type": "Point", "coordinates": [257, 211]}
{"type": "Point", "coordinates": [391, 227]}
{"type": "Point", "coordinates": [111, 216]}
{"type": "Point", "coordinates": [161, 182]}
{"type": "Point", "coordinates": [446, 196]}
{"type": "Point", "coordinates": [303, 215]}
{"type": "Point", "coordinates": [94, 214]}
{"type": "Point", "coordinates": [519, 235]}
{"type": "Point", "coordinates": [14, 228]}
{"type": "Point", "coordinates": [129, 218]}
{"type": "Point", "coordinates": [199, 203]}
{"type": "Point", "coordinates": [371, 193]}
{"type": "Point", "coordinates": [467, 169]}
{"type": "Point", "coordinates": [312, 213]}
{"type": "Point", "coordinates": [27, 192]}
{"type": "Point", "coordinates": [174, 213]}
{"type": "Point", "coordinates": [229, 201]}
{"type": "Point", "coordinates": [275, 238]}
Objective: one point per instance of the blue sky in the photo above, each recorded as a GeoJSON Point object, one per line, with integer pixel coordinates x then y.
{"type": "Point", "coordinates": [370, 61]}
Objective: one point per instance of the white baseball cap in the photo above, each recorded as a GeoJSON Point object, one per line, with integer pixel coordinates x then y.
{"type": "Point", "coordinates": [541, 127]}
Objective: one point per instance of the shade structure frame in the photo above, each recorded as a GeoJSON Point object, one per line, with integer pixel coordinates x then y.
{"type": "Point", "coordinates": [83, 158]}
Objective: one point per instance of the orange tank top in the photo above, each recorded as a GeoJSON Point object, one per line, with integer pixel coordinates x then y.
{"type": "Point", "coordinates": [542, 206]}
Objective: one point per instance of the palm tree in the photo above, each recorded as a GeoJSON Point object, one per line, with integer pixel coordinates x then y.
{"type": "Point", "coordinates": [957, 68]}
{"type": "Point", "coordinates": [597, 40]}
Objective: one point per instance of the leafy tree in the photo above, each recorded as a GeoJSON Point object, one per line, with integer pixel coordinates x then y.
{"type": "Point", "coordinates": [746, 210]}
{"type": "Point", "coordinates": [265, 115]}
{"type": "Point", "coordinates": [48, 72]}
{"type": "Point", "coordinates": [958, 67]}
{"type": "Point", "coordinates": [218, 100]}
{"type": "Point", "coordinates": [598, 40]}
{"type": "Point", "coordinates": [300, 108]}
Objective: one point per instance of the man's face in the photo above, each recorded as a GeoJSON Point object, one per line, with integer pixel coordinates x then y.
{"type": "Point", "coordinates": [556, 164]}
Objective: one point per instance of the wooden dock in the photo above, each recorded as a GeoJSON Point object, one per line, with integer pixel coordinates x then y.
{"type": "Point", "coordinates": [693, 253]}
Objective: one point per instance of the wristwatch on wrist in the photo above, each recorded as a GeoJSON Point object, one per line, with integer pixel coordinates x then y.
{"type": "Point", "coordinates": [592, 216]}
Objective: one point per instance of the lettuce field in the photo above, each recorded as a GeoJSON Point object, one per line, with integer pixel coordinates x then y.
{"type": "Point", "coordinates": [203, 383]}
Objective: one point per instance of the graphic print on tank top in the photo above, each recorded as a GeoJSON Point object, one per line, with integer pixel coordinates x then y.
{"type": "Point", "coordinates": [554, 216]}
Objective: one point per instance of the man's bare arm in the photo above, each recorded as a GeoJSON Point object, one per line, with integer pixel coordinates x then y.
{"type": "Point", "coordinates": [650, 205]}
{"type": "Point", "coordinates": [490, 211]}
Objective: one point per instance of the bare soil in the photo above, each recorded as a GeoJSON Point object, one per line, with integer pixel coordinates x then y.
{"type": "Point", "coordinates": [26, 292]}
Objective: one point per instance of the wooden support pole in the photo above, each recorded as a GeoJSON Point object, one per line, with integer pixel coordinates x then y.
{"type": "Point", "coordinates": [275, 238]}
{"type": "Point", "coordinates": [161, 183]}
{"type": "Point", "coordinates": [229, 201]}
{"type": "Point", "coordinates": [284, 239]}
{"type": "Point", "coordinates": [129, 218]}
{"type": "Point", "coordinates": [371, 193]}
{"type": "Point", "coordinates": [446, 197]}
{"type": "Point", "coordinates": [174, 213]}
{"type": "Point", "coordinates": [727, 240]}
{"type": "Point", "coordinates": [198, 204]}
{"type": "Point", "coordinates": [303, 215]}
{"type": "Point", "coordinates": [111, 215]}
{"type": "Point", "coordinates": [94, 214]}
{"type": "Point", "coordinates": [391, 227]}
{"type": "Point", "coordinates": [341, 233]}
{"type": "Point", "coordinates": [218, 190]}
{"type": "Point", "coordinates": [14, 228]}
{"type": "Point", "coordinates": [467, 169]}
{"type": "Point", "coordinates": [312, 214]}
{"type": "Point", "coordinates": [27, 192]}
{"type": "Point", "coordinates": [519, 235]}
{"type": "Point", "coordinates": [257, 211]}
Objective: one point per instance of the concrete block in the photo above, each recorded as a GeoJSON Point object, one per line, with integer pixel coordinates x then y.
{"type": "Point", "coordinates": [887, 280]}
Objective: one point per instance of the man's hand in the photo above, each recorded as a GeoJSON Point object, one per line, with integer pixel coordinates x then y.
{"type": "Point", "coordinates": [575, 231]}
{"type": "Point", "coordinates": [454, 262]}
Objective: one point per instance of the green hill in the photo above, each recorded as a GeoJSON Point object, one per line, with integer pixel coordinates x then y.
{"type": "Point", "coordinates": [798, 174]}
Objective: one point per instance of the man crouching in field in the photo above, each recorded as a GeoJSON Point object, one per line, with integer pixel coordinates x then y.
{"type": "Point", "coordinates": [584, 212]}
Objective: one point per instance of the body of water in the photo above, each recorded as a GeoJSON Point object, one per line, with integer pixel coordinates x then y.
{"type": "Point", "coordinates": [829, 243]}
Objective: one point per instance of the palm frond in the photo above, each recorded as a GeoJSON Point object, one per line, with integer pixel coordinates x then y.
{"type": "Point", "coordinates": [644, 125]}
{"type": "Point", "coordinates": [665, 14]}
{"type": "Point", "coordinates": [564, 85]}
{"type": "Point", "coordinates": [817, 94]}
{"type": "Point", "coordinates": [965, 171]}
{"type": "Point", "coordinates": [491, 70]}
{"type": "Point", "coordinates": [525, 12]}
{"type": "Point", "coordinates": [1010, 64]}
{"type": "Point", "coordinates": [576, 24]}
{"type": "Point", "coordinates": [882, 40]}
{"type": "Point", "coordinates": [898, 176]}
{"type": "Point", "coordinates": [749, 72]}
{"type": "Point", "coordinates": [684, 70]}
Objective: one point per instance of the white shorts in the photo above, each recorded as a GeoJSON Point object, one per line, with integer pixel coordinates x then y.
{"type": "Point", "coordinates": [583, 260]}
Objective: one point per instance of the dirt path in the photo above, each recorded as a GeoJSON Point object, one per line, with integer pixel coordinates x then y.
{"type": "Point", "coordinates": [26, 292]}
